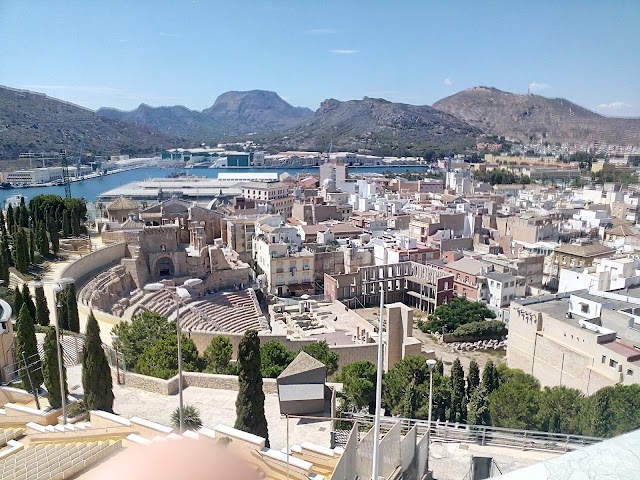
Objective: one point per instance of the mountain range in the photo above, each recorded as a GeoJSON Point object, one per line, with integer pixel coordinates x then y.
{"type": "Point", "coordinates": [233, 114]}
{"type": "Point", "coordinates": [35, 122]}
{"type": "Point", "coordinates": [531, 118]}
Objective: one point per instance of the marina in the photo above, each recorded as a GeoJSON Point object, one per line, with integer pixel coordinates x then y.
{"type": "Point", "coordinates": [91, 188]}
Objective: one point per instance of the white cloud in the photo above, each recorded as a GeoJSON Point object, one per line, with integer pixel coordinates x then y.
{"type": "Point", "coordinates": [344, 52]}
{"type": "Point", "coordinates": [616, 106]}
{"type": "Point", "coordinates": [321, 31]}
{"type": "Point", "coordinates": [537, 86]}
{"type": "Point", "coordinates": [447, 82]}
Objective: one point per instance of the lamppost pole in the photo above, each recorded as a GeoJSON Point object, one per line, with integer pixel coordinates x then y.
{"type": "Point", "coordinates": [431, 363]}
{"type": "Point", "coordinates": [179, 330]}
{"type": "Point", "coordinates": [56, 287]}
{"type": "Point", "coordinates": [178, 294]}
{"type": "Point", "coordinates": [376, 423]}
{"type": "Point", "coordinates": [114, 342]}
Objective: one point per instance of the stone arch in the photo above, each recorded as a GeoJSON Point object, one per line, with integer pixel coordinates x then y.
{"type": "Point", "coordinates": [164, 267]}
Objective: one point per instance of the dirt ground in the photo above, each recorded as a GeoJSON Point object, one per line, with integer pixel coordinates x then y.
{"type": "Point", "coordinates": [443, 351]}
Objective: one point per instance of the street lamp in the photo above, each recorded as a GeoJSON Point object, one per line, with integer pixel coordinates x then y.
{"type": "Point", "coordinates": [181, 293]}
{"type": "Point", "coordinates": [114, 342]}
{"type": "Point", "coordinates": [431, 363]}
{"type": "Point", "coordinates": [376, 422]}
{"type": "Point", "coordinates": [57, 288]}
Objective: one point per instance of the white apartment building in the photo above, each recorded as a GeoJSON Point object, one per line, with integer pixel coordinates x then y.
{"type": "Point", "coordinates": [283, 268]}
{"type": "Point", "coordinates": [606, 274]}
{"type": "Point", "coordinates": [502, 289]}
{"type": "Point", "coordinates": [274, 194]}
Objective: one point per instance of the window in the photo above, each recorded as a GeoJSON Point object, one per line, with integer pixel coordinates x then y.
{"type": "Point", "coordinates": [613, 363]}
{"type": "Point", "coordinates": [604, 359]}
{"type": "Point", "coordinates": [584, 308]}
{"type": "Point", "coordinates": [466, 279]}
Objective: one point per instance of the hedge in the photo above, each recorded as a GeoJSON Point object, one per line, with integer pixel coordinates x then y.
{"type": "Point", "coordinates": [485, 329]}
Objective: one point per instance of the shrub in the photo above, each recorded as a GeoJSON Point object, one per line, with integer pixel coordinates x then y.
{"type": "Point", "coordinates": [191, 418]}
{"type": "Point", "coordinates": [484, 329]}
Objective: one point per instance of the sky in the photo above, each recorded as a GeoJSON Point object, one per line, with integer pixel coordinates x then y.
{"type": "Point", "coordinates": [187, 52]}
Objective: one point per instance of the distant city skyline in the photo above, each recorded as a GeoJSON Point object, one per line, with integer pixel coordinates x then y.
{"type": "Point", "coordinates": [120, 54]}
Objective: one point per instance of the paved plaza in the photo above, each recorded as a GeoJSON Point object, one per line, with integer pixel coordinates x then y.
{"type": "Point", "coordinates": [216, 407]}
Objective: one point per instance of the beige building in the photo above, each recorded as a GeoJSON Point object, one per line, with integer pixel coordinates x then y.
{"type": "Point", "coordinates": [282, 268]}
{"type": "Point", "coordinates": [274, 194]}
{"type": "Point", "coordinates": [584, 340]}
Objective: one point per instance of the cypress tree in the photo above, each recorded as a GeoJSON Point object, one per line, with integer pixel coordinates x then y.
{"type": "Point", "coordinates": [458, 412]}
{"type": "Point", "coordinates": [10, 218]}
{"type": "Point", "coordinates": [490, 378]}
{"type": "Point", "coordinates": [6, 251]}
{"type": "Point", "coordinates": [54, 235]}
{"type": "Point", "coordinates": [96, 374]}
{"type": "Point", "coordinates": [26, 342]}
{"type": "Point", "coordinates": [16, 218]}
{"type": "Point", "coordinates": [42, 310]}
{"type": "Point", "coordinates": [4, 270]}
{"type": "Point", "coordinates": [28, 301]}
{"type": "Point", "coordinates": [18, 301]}
{"type": "Point", "coordinates": [32, 245]}
{"type": "Point", "coordinates": [75, 224]}
{"type": "Point", "coordinates": [21, 250]}
{"type": "Point", "coordinates": [43, 241]}
{"type": "Point", "coordinates": [250, 415]}
{"type": "Point", "coordinates": [439, 368]}
{"type": "Point", "coordinates": [72, 309]}
{"type": "Point", "coordinates": [63, 312]}
{"type": "Point", "coordinates": [3, 226]}
{"type": "Point", "coordinates": [24, 215]}
{"type": "Point", "coordinates": [479, 407]}
{"type": "Point", "coordinates": [473, 378]}
{"type": "Point", "coordinates": [66, 224]}
{"type": "Point", "coordinates": [51, 371]}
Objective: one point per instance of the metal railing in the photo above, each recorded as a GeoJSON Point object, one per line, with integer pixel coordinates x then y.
{"type": "Point", "coordinates": [486, 435]}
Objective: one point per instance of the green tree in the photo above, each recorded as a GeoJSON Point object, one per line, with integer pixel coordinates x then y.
{"type": "Point", "coordinates": [515, 403]}
{"type": "Point", "coordinates": [24, 214]}
{"type": "Point", "coordinates": [160, 359]}
{"type": "Point", "coordinates": [66, 224]}
{"type": "Point", "coordinates": [458, 412]}
{"type": "Point", "coordinates": [10, 218]}
{"type": "Point", "coordinates": [51, 370]}
{"type": "Point", "coordinates": [320, 351]}
{"type": "Point", "coordinates": [250, 416]}
{"type": "Point", "coordinates": [96, 374]}
{"type": "Point", "coordinates": [478, 408]}
{"type": "Point", "coordinates": [18, 301]}
{"type": "Point", "coordinates": [217, 355]}
{"type": "Point", "coordinates": [596, 418]}
{"type": "Point", "coordinates": [54, 235]}
{"type": "Point", "coordinates": [134, 336]}
{"type": "Point", "coordinates": [191, 418]}
{"type": "Point", "coordinates": [72, 308]}
{"type": "Point", "coordinates": [4, 270]}
{"type": "Point", "coordinates": [274, 358]}
{"type": "Point", "coordinates": [32, 246]}
{"type": "Point", "coordinates": [21, 249]}
{"type": "Point", "coordinates": [559, 410]}
{"type": "Point", "coordinates": [397, 384]}
{"type": "Point", "coordinates": [3, 224]}
{"type": "Point", "coordinates": [26, 342]}
{"type": "Point", "coordinates": [473, 378]}
{"type": "Point", "coordinates": [43, 241]}
{"type": "Point", "coordinates": [28, 301]}
{"type": "Point", "coordinates": [490, 378]}
{"type": "Point", "coordinates": [42, 310]}
{"type": "Point", "coordinates": [359, 384]}
{"type": "Point", "coordinates": [459, 311]}
{"type": "Point", "coordinates": [75, 224]}
{"type": "Point", "coordinates": [62, 309]}
{"type": "Point", "coordinates": [6, 250]}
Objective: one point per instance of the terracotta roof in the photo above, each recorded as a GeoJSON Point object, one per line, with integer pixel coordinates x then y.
{"type": "Point", "coordinates": [302, 363]}
{"type": "Point", "coordinates": [623, 231]}
{"type": "Point", "coordinates": [591, 250]}
{"type": "Point", "coordinates": [122, 204]}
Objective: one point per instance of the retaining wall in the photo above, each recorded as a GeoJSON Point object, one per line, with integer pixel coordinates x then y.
{"type": "Point", "coordinates": [93, 262]}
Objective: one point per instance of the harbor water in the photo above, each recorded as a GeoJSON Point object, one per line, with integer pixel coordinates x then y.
{"type": "Point", "coordinates": [90, 188]}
